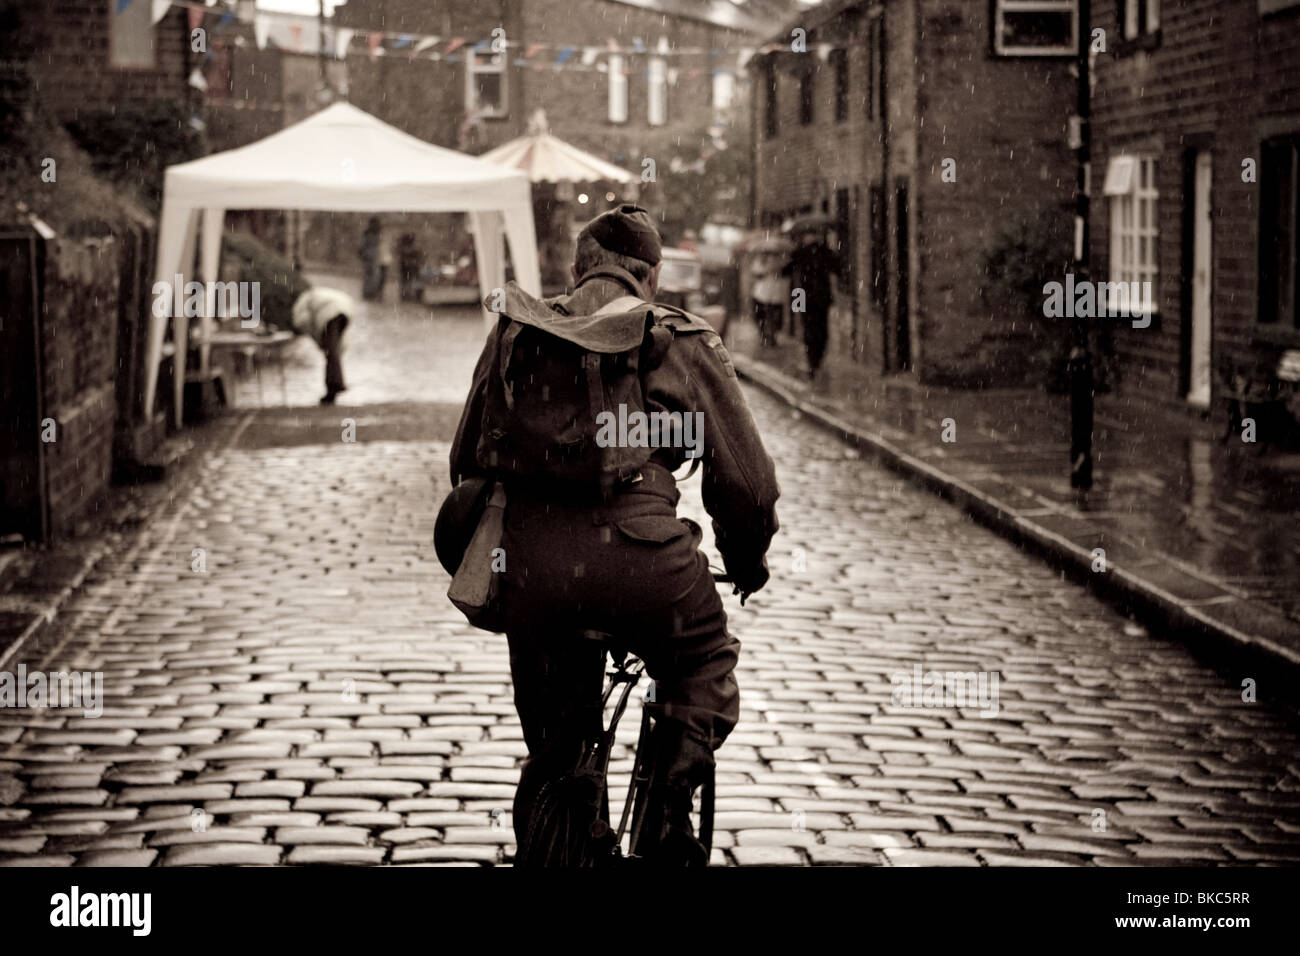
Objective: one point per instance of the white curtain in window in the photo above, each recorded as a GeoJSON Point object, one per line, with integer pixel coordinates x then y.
{"type": "Point", "coordinates": [617, 90]}
{"type": "Point", "coordinates": [657, 81]}
{"type": "Point", "coordinates": [1153, 16]}
{"type": "Point", "coordinates": [724, 89]}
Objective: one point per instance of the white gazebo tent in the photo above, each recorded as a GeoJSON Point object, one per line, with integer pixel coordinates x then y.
{"type": "Point", "coordinates": [546, 159]}
{"type": "Point", "coordinates": [344, 160]}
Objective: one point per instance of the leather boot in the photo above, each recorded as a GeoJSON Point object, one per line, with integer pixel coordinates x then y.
{"type": "Point", "coordinates": [680, 763]}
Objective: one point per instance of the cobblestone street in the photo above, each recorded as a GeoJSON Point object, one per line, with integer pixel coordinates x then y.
{"type": "Point", "coordinates": [300, 690]}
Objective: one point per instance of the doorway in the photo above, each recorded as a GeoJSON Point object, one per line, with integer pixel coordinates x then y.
{"type": "Point", "coordinates": [902, 284]}
{"type": "Point", "coordinates": [1199, 266]}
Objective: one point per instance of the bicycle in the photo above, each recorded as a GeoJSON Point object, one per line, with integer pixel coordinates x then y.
{"type": "Point", "coordinates": [581, 798]}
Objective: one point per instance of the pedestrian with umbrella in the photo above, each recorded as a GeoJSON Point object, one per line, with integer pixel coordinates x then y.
{"type": "Point", "coordinates": [811, 265]}
{"type": "Point", "coordinates": [770, 290]}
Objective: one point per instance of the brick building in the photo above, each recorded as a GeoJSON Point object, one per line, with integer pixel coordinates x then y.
{"type": "Point", "coordinates": [613, 77]}
{"type": "Point", "coordinates": [1196, 127]}
{"type": "Point", "coordinates": [77, 250]}
{"type": "Point", "coordinates": [132, 60]}
{"type": "Point", "coordinates": [928, 129]}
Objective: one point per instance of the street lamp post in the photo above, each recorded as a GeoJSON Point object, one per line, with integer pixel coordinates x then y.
{"type": "Point", "coordinates": [1080, 361]}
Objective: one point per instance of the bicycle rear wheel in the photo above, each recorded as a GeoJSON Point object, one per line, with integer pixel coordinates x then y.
{"type": "Point", "coordinates": [568, 827]}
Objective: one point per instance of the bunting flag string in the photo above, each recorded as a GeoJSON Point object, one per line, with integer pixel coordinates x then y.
{"type": "Point", "coordinates": [582, 57]}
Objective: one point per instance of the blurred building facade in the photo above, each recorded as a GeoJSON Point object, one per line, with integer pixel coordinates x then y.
{"type": "Point", "coordinates": [611, 76]}
{"type": "Point", "coordinates": [87, 82]}
{"type": "Point", "coordinates": [89, 56]}
{"type": "Point", "coordinates": [1196, 132]}
{"type": "Point", "coordinates": [929, 130]}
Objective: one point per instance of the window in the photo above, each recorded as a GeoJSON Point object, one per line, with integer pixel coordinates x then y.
{"type": "Point", "coordinates": [1140, 17]}
{"type": "Point", "coordinates": [724, 90]}
{"type": "Point", "coordinates": [617, 90]}
{"type": "Point", "coordinates": [1035, 27]}
{"type": "Point", "coordinates": [485, 91]}
{"type": "Point", "coordinates": [771, 125]}
{"type": "Point", "coordinates": [876, 69]}
{"type": "Point", "coordinates": [840, 64]}
{"type": "Point", "coordinates": [879, 247]}
{"type": "Point", "coordinates": [1279, 263]}
{"type": "Point", "coordinates": [1131, 186]}
{"type": "Point", "coordinates": [130, 35]}
{"type": "Point", "coordinates": [657, 91]}
{"type": "Point", "coordinates": [807, 88]}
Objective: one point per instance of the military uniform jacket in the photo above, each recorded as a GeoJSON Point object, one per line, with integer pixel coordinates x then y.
{"type": "Point", "coordinates": [695, 374]}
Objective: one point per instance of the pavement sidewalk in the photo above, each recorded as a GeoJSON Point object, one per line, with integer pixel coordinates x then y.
{"type": "Point", "coordinates": [1204, 533]}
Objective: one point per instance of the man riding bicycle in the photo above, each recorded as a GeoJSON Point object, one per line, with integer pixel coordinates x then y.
{"type": "Point", "coordinates": [622, 563]}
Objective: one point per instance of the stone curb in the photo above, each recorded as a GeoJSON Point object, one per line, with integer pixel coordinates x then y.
{"type": "Point", "coordinates": [42, 611]}
{"type": "Point", "coordinates": [1123, 585]}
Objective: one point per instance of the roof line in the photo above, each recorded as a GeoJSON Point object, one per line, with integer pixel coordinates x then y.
{"type": "Point", "coordinates": [814, 18]}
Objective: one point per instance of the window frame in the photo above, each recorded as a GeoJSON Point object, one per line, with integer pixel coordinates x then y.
{"type": "Point", "coordinates": [999, 10]}
{"type": "Point", "coordinates": [1127, 232]}
{"type": "Point", "coordinates": [807, 97]}
{"type": "Point", "coordinates": [1144, 15]}
{"type": "Point", "coordinates": [771, 100]}
{"type": "Point", "coordinates": [840, 61]}
{"type": "Point", "coordinates": [876, 68]}
{"type": "Point", "coordinates": [473, 68]}
{"type": "Point", "coordinates": [723, 80]}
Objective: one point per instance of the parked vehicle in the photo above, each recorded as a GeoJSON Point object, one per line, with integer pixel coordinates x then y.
{"type": "Point", "coordinates": [681, 284]}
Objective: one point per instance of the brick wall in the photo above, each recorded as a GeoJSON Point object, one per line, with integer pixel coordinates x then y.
{"type": "Point", "coordinates": [427, 98]}
{"type": "Point", "coordinates": [1223, 78]}
{"type": "Point", "coordinates": [1003, 121]}
{"type": "Point", "coordinates": [72, 40]}
{"type": "Point", "coordinates": [78, 328]}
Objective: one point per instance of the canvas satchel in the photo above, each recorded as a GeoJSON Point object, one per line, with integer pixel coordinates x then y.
{"type": "Point", "coordinates": [476, 587]}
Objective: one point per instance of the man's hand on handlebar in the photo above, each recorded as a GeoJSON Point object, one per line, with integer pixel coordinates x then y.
{"type": "Point", "coordinates": [746, 583]}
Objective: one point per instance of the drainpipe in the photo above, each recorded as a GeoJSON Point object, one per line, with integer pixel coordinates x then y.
{"type": "Point", "coordinates": [882, 100]}
{"type": "Point", "coordinates": [1080, 362]}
